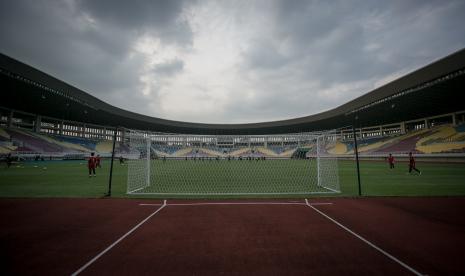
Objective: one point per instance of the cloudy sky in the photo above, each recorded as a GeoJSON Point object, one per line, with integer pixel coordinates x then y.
{"type": "Point", "coordinates": [229, 61]}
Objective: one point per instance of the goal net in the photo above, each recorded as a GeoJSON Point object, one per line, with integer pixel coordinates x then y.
{"type": "Point", "coordinates": [298, 164]}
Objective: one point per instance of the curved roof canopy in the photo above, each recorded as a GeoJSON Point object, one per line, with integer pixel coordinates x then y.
{"type": "Point", "coordinates": [432, 90]}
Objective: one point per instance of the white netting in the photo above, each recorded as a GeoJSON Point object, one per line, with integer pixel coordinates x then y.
{"type": "Point", "coordinates": [237, 165]}
{"type": "Point", "coordinates": [139, 167]}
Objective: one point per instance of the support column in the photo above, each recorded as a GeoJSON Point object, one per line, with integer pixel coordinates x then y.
{"type": "Point", "coordinates": [149, 144]}
{"type": "Point", "coordinates": [10, 119]}
{"type": "Point", "coordinates": [318, 161]}
{"type": "Point", "coordinates": [402, 127]}
{"type": "Point", "coordinates": [454, 121]}
{"type": "Point", "coordinates": [83, 130]}
{"type": "Point", "coordinates": [60, 128]}
{"type": "Point", "coordinates": [37, 124]}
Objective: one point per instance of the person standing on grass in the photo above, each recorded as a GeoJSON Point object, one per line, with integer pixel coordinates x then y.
{"type": "Point", "coordinates": [91, 163]}
{"type": "Point", "coordinates": [412, 165]}
{"type": "Point", "coordinates": [391, 161]}
{"type": "Point", "coordinates": [97, 161]}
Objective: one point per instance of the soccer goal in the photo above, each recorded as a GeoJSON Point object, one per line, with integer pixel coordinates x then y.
{"type": "Point", "coordinates": [196, 165]}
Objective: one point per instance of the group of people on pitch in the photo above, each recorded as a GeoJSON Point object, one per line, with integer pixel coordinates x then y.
{"type": "Point", "coordinates": [92, 163]}
{"type": "Point", "coordinates": [411, 165]}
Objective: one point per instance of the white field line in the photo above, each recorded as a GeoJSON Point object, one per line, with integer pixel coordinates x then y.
{"type": "Point", "coordinates": [229, 203]}
{"type": "Point", "coordinates": [118, 240]}
{"type": "Point", "coordinates": [365, 240]}
{"type": "Point", "coordinates": [236, 203]}
{"type": "Point", "coordinates": [330, 191]}
{"type": "Point", "coordinates": [136, 190]}
{"type": "Point", "coordinates": [320, 203]}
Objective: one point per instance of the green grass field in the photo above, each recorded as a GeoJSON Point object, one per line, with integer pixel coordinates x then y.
{"type": "Point", "coordinates": [70, 179]}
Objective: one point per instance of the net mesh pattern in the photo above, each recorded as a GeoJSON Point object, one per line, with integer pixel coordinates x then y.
{"type": "Point", "coordinates": [206, 170]}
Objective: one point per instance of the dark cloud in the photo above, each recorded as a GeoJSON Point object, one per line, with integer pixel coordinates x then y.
{"type": "Point", "coordinates": [135, 14]}
{"type": "Point", "coordinates": [294, 58]}
{"type": "Point", "coordinates": [168, 68]}
{"type": "Point", "coordinates": [344, 47]}
{"type": "Point", "coordinates": [88, 44]}
{"type": "Point", "coordinates": [157, 17]}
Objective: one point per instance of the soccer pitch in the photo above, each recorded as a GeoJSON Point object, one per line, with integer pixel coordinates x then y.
{"type": "Point", "coordinates": [70, 178]}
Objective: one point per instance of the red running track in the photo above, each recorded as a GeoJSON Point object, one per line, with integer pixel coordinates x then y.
{"type": "Point", "coordinates": [59, 236]}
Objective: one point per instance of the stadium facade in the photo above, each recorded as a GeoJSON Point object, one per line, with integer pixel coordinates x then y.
{"type": "Point", "coordinates": [431, 95]}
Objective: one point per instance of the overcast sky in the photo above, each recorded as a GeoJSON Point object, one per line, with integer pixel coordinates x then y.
{"type": "Point", "coordinates": [229, 61]}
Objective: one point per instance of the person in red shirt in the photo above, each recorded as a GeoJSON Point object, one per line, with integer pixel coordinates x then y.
{"type": "Point", "coordinates": [391, 161]}
{"type": "Point", "coordinates": [91, 163]}
{"type": "Point", "coordinates": [97, 161]}
{"type": "Point", "coordinates": [412, 165]}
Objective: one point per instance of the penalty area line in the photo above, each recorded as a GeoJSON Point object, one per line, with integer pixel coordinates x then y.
{"type": "Point", "coordinates": [118, 240]}
{"type": "Point", "coordinates": [235, 203]}
{"type": "Point", "coordinates": [411, 269]}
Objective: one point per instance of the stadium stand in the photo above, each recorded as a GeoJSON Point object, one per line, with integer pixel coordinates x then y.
{"type": "Point", "coordinates": [443, 139]}
{"type": "Point", "coordinates": [213, 152]}
{"type": "Point", "coordinates": [104, 146]}
{"type": "Point", "coordinates": [439, 139]}
{"type": "Point", "coordinates": [405, 143]}
{"type": "Point", "coordinates": [83, 142]}
{"type": "Point", "coordinates": [339, 148]}
{"type": "Point", "coordinates": [20, 141]}
{"type": "Point", "coordinates": [239, 152]}
{"type": "Point", "coordinates": [269, 152]}
{"type": "Point", "coordinates": [26, 140]}
{"type": "Point", "coordinates": [182, 152]}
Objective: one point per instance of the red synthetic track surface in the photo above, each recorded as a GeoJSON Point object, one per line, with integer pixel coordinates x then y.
{"type": "Point", "coordinates": [59, 236]}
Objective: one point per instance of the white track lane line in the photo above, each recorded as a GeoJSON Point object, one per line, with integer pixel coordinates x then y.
{"type": "Point", "coordinates": [365, 240]}
{"type": "Point", "coordinates": [117, 241]}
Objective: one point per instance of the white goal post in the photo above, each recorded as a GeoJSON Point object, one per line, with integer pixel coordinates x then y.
{"type": "Point", "coordinates": [208, 165]}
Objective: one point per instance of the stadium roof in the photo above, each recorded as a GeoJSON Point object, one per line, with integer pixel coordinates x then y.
{"type": "Point", "coordinates": [432, 90]}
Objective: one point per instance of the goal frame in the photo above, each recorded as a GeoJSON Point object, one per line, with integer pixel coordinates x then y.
{"type": "Point", "coordinates": [150, 137]}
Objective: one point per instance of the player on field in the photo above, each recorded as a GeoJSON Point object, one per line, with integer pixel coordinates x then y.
{"type": "Point", "coordinates": [97, 161]}
{"type": "Point", "coordinates": [412, 165]}
{"type": "Point", "coordinates": [391, 161]}
{"type": "Point", "coordinates": [91, 164]}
